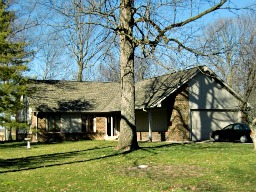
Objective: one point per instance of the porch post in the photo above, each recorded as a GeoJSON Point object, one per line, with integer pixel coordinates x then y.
{"type": "Point", "coordinates": [150, 125]}
{"type": "Point", "coordinates": [111, 123]}
{"type": "Point", "coordinates": [5, 133]}
{"type": "Point", "coordinates": [106, 127]}
{"type": "Point", "coordinates": [94, 124]}
{"type": "Point", "coordinates": [36, 125]}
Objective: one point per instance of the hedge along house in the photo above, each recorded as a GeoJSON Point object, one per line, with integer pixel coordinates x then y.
{"type": "Point", "coordinates": [185, 105]}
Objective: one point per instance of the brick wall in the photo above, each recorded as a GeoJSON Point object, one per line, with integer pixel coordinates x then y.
{"type": "Point", "coordinates": [156, 136]}
{"type": "Point", "coordinates": [178, 129]}
{"type": "Point", "coordinates": [100, 128]}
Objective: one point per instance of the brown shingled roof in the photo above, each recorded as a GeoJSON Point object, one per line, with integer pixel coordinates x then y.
{"type": "Point", "coordinates": [101, 96]}
{"type": "Point", "coordinates": [69, 96]}
{"type": "Point", "coordinates": [150, 92]}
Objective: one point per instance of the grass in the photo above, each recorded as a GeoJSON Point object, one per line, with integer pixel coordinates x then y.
{"type": "Point", "coordinates": [97, 166]}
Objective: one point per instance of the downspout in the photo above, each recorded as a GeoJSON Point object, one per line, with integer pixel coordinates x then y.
{"type": "Point", "coordinates": [190, 125]}
{"type": "Point", "coordinates": [111, 125]}
{"type": "Point", "coordinates": [36, 113]}
{"type": "Point", "coordinates": [190, 113]}
{"type": "Point", "coordinates": [149, 124]}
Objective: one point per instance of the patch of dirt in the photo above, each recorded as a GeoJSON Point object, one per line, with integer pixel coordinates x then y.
{"type": "Point", "coordinates": [161, 172]}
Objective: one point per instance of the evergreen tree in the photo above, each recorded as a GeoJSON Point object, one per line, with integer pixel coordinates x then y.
{"type": "Point", "coordinates": [12, 66]}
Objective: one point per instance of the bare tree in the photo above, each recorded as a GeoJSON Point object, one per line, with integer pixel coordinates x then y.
{"type": "Point", "coordinates": [82, 40]}
{"type": "Point", "coordinates": [50, 61]}
{"type": "Point", "coordinates": [109, 69]}
{"type": "Point", "coordinates": [247, 60]}
{"type": "Point", "coordinates": [47, 54]}
{"type": "Point", "coordinates": [235, 40]}
{"type": "Point", "coordinates": [62, 24]}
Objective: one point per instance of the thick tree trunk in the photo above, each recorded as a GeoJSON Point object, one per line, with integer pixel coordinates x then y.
{"type": "Point", "coordinates": [253, 133]}
{"type": "Point", "coordinates": [254, 139]}
{"type": "Point", "coordinates": [127, 137]}
{"type": "Point", "coordinates": [80, 71]}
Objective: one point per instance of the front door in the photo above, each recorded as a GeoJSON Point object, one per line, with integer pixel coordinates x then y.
{"type": "Point", "coordinates": [112, 126]}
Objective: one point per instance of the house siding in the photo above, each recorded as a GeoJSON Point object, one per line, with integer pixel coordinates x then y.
{"type": "Point", "coordinates": [159, 124]}
{"type": "Point", "coordinates": [159, 120]}
{"type": "Point", "coordinates": [204, 122]}
{"type": "Point", "coordinates": [206, 93]}
{"type": "Point", "coordinates": [71, 123]}
{"type": "Point", "coordinates": [212, 106]}
{"type": "Point", "coordinates": [70, 127]}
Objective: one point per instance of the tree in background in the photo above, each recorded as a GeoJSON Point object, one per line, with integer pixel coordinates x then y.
{"type": "Point", "coordinates": [12, 65]}
{"type": "Point", "coordinates": [83, 41]}
{"type": "Point", "coordinates": [64, 46]}
{"type": "Point", "coordinates": [235, 41]}
{"type": "Point", "coordinates": [110, 70]}
{"type": "Point", "coordinates": [49, 61]}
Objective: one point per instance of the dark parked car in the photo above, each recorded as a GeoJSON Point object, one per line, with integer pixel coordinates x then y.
{"type": "Point", "coordinates": [233, 132]}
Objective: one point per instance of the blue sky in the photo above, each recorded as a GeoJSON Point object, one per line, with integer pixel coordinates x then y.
{"type": "Point", "coordinates": [228, 13]}
{"type": "Point", "coordinates": [206, 19]}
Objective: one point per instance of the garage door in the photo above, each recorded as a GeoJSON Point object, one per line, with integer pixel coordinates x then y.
{"type": "Point", "coordinates": [203, 122]}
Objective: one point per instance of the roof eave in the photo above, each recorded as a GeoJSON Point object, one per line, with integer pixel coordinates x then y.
{"type": "Point", "coordinates": [158, 102]}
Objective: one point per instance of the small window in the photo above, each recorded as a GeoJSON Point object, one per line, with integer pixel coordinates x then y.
{"type": "Point", "coordinates": [237, 127]}
{"type": "Point", "coordinates": [54, 123]}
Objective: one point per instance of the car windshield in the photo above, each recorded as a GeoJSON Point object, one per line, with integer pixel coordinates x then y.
{"type": "Point", "coordinates": [228, 127]}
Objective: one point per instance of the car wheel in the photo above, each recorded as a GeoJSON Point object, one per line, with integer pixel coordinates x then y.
{"type": "Point", "coordinates": [243, 139]}
{"type": "Point", "coordinates": [216, 138]}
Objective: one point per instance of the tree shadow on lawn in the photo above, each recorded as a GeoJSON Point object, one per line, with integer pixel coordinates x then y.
{"type": "Point", "coordinates": [19, 144]}
{"type": "Point", "coordinates": [48, 160]}
{"type": "Point", "coordinates": [11, 144]}
{"type": "Point", "coordinates": [56, 159]}
{"type": "Point", "coordinates": [51, 160]}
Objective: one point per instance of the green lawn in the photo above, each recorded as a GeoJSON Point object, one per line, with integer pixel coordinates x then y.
{"type": "Point", "coordinates": [97, 166]}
